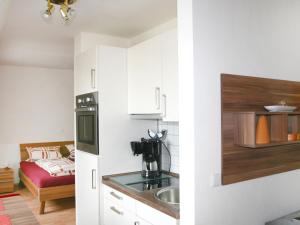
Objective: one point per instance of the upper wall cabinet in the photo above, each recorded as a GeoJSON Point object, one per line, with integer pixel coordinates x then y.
{"type": "Point", "coordinates": [145, 77]}
{"type": "Point", "coordinates": [85, 67]}
{"type": "Point", "coordinates": [170, 76]}
{"type": "Point", "coordinates": [153, 77]}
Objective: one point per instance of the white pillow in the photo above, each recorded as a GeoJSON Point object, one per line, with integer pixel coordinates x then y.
{"type": "Point", "coordinates": [71, 149]}
{"type": "Point", "coordinates": [36, 153]}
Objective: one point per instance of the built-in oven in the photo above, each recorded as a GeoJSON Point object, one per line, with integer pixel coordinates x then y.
{"type": "Point", "coordinates": [87, 138]}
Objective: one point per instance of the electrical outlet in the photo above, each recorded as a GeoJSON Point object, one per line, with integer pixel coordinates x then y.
{"type": "Point", "coordinates": [215, 180]}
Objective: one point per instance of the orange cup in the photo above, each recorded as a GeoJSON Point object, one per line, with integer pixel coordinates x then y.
{"type": "Point", "coordinates": [262, 131]}
{"type": "Point", "coordinates": [298, 137]}
{"type": "Point", "coordinates": [292, 137]}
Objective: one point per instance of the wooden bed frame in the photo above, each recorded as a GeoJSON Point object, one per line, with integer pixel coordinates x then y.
{"type": "Point", "coordinates": [49, 193]}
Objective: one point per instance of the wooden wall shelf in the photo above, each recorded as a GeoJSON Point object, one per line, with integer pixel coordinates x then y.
{"type": "Point", "coordinates": [243, 99]}
{"type": "Point", "coordinates": [280, 125]}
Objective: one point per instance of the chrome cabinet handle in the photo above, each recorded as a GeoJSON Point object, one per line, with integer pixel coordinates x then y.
{"type": "Point", "coordinates": [136, 223]}
{"type": "Point", "coordinates": [165, 105]}
{"type": "Point", "coordinates": [157, 98]}
{"type": "Point", "coordinates": [93, 179]}
{"type": "Point", "coordinates": [93, 80]}
{"type": "Point", "coordinates": [115, 195]}
{"type": "Point", "coordinates": [116, 211]}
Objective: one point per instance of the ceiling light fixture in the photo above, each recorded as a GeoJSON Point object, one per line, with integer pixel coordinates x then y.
{"type": "Point", "coordinates": [47, 14]}
{"type": "Point", "coordinates": [67, 13]}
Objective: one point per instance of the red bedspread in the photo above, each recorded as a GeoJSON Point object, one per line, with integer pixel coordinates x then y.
{"type": "Point", "coordinates": [42, 178]}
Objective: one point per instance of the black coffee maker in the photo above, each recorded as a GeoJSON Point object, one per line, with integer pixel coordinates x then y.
{"type": "Point", "coordinates": [151, 149]}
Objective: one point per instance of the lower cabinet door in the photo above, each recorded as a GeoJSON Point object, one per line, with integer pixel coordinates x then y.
{"type": "Point", "coordinates": [139, 221]}
{"type": "Point", "coordinates": [154, 216]}
{"type": "Point", "coordinates": [87, 189]}
{"type": "Point", "coordinates": [116, 215]}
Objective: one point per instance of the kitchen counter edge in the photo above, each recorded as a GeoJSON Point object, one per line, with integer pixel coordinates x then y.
{"type": "Point", "coordinates": [146, 197]}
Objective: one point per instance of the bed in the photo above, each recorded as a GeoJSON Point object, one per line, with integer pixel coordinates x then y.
{"type": "Point", "coordinates": [39, 182]}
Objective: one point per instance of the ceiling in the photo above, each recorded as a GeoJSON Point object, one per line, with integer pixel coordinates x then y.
{"type": "Point", "coordinates": [27, 40]}
{"type": "Point", "coordinates": [4, 5]}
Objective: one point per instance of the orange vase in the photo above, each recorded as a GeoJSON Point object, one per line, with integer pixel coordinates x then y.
{"type": "Point", "coordinates": [262, 131]}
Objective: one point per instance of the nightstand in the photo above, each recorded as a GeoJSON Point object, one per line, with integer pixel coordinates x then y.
{"type": "Point", "coordinates": [6, 180]}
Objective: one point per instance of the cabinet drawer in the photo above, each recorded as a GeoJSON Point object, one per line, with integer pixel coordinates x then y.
{"type": "Point", "coordinates": [115, 214]}
{"type": "Point", "coordinates": [119, 198]}
{"type": "Point", "coordinates": [139, 221]}
{"type": "Point", "coordinates": [7, 180]}
{"type": "Point", "coordinates": [6, 176]}
{"type": "Point", "coordinates": [154, 216]}
{"type": "Point", "coordinates": [6, 187]}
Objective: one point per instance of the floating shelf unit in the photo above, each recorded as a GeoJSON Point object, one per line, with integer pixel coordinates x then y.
{"type": "Point", "coordinates": [280, 125]}
{"type": "Point", "coordinates": [243, 99]}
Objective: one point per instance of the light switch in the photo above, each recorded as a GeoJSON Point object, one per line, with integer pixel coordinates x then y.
{"type": "Point", "coordinates": [215, 180]}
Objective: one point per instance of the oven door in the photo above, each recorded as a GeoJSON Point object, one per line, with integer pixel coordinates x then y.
{"type": "Point", "coordinates": [87, 130]}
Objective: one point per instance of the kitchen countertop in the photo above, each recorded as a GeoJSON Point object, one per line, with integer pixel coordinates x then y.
{"type": "Point", "coordinates": [146, 197]}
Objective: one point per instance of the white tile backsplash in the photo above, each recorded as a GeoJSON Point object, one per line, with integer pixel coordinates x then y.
{"type": "Point", "coordinates": [172, 142]}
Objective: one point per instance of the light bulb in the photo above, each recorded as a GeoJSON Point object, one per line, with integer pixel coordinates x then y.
{"type": "Point", "coordinates": [64, 10]}
{"type": "Point", "coordinates": [47, 14]}
{"type": "Point", "coordinates": [68, 14]}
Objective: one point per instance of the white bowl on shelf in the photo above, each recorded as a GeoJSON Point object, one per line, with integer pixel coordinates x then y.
{"type": "Point", "coordinates": [280, 108]}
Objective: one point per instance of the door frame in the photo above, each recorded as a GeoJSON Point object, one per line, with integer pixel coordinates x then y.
{"type": "Point", "coordinates": [187, 125]}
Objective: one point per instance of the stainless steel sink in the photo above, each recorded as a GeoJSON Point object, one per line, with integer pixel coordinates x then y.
{"type": "Point", "coordinates": [169, 195]}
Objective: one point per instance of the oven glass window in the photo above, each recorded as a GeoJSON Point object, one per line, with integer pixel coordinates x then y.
{"type": "Point", "coordinates": [86, 129]}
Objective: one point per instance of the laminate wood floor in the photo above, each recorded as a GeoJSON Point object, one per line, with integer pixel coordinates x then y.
{"type": "Point", "coordinates": [58, 212]}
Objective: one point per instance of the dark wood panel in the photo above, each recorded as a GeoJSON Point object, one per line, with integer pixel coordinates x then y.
{"type": "Point", "coordinates": [249, 94]}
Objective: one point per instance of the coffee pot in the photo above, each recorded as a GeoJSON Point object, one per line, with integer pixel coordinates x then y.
{"type": "Point", "coordinates": [151, 150]}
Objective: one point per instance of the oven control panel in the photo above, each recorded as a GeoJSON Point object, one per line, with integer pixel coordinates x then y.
{"type": "Point", "coordinates": [86, 100]}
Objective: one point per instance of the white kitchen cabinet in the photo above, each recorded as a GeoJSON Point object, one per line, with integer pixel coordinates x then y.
{"type": "Point", "coordinates": [119, 198]}
{"type": "Point", "coordinates": [122, 209]}
{"type": "Point", "coordinates": [170, 76]}
{"type": "Point", "coordinates": [116, 215]}
{"type": "Point", "coordinates": [145, 77]}
{"type": "Point", "coordinates": [154, 216]}
{"type": "Point", "coordinates": [85, 71]}
{"type": "Point", "coordinates": [139, 221]}
{"type": "Point", "coordinates": [87, 182]}
{"type": "Point", "coordinates": [153, 77]}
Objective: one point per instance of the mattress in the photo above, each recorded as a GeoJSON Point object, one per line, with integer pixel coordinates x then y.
{"type": "Point", "coordinates": [41, 178]}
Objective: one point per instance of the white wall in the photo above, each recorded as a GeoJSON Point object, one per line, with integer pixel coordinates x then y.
{"type": "Point", "coordinates": [31, 51]}
{"type": "Point", "coordinates": [187, 124]}
{"type": "Point", "coordinates": [84, 41]}
{"type": "Point", "coordinates": [153, 32]}
{"type": "Point", "coordinates": [248, 37]}
{"type": "Point", "coordinates": [172, 142]}
{"type": "Point", "coordinates": [36, 106]}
